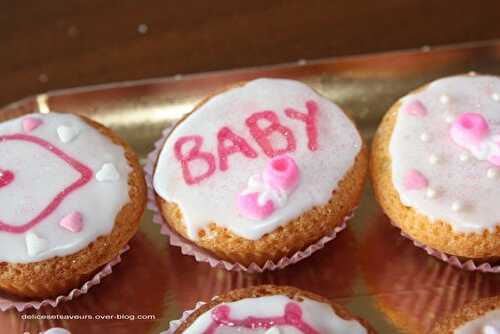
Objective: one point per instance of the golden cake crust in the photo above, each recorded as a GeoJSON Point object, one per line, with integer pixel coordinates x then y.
{"type": "Point", "coordinates": [435, 234]}
{"type": "Point", "coordinates": [286, 240]}
{"type": "Point", "coordinates": [270, 290]}
{"type": "Point", "coordinates": [468, 313]}
{"type": "Point", "coordinates": [59, 275]}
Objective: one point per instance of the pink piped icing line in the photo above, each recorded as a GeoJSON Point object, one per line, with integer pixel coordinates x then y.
{"type": "Point", "coordinates": [85, 172]}
{"type": "Point", "coordinates": [292, 317]}
{"type": "Point", "coordinates": [471, 131]}
{"type": "Point", "coordinates": [267, 192]}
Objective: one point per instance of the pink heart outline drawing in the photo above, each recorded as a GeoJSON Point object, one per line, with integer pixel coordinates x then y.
{"type": "Point", "coordinates": [85, 172]}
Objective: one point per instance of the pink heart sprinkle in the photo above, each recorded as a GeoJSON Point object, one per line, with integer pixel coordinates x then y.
{"type": "Point", "coordinates": [72, 222]}
{"type": "Point", "coordinates": [6, 177]}
{"type": "Point", "coordinates": [31, 123]}
{"type": "Point", "coordinates": [415, 180]}
{"type": "Point", "coordinates": [415, 108]}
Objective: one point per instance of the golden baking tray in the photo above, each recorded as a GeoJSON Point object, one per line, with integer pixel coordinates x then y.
{"type": "Point", "coordinates": [370, 268]}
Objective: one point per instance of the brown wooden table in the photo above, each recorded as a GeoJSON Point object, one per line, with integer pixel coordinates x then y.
{"type": "Point", "coordinates": [62, 43]}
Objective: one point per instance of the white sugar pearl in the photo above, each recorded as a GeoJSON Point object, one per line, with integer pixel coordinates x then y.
{"type": "Point", "coordinates": [431, 193]}
{"type": "Point", "coordinates": [457, 206]}
{"type": "Point", "coordinates": [433, 159]}
{"type": "Point", "coordinates": [425, 137]}
{"type": "Point", "coordinates": [449, 117]}
{"type": "Point", "coordinates": [491, 173]}
{"type": "Point", "coordinates": [444, 99]}
{"type": "Point", "coordinates": [464, 157]}
{"type": "Point", "coordinates": [495, 97]}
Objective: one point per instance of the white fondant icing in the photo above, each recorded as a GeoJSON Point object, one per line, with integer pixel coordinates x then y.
{"type": "Point", "coordinates": [488, 323]}
{"type": "Point", "coordinates": [40, 176]}
{"type": "Point", "coordinates": [214, 199]}
{"type": "Point", "coordinates": [67, 133]}
{"type": "Point", "coordinates": [468, 200]}
{"type": "Point", "coordinates": [318, 315]}
{"type": "Point", "coordinates": [107, 173]}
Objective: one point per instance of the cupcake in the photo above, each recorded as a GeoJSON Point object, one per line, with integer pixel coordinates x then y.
{"type": "Point", "coordinates": [425, 290]}
{"type": "Point", "coordinates": [479, 317]}
{"type": "Point", "coordinates": [260, 171]}
{"type": "Point", "coordinates": [272, 310]}
{"type": "Point", "coordinates": [435, 166]}
{"type": "Point", "coordinates": [72, 195]}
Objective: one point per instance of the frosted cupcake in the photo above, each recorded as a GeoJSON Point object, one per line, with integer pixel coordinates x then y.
{"type": "Point", "coordinates": [72, 196]}
{"type": "Point", "coordinates": [272, 310]}
{"type": "Point", "coordinates": [436, 166]}
{"type": "Point", "coordinates": [260, 171]}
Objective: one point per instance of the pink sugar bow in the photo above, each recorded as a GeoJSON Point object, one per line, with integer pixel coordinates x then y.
{"type": "Point", "coordinates": [472, 132]}
{"type": "Point", "coordinates": [267, 192]}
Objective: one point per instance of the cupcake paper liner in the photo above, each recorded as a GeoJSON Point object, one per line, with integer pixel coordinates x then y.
{"type": "Point", "coordinates": [8, 302]}
{"type": "Point", "coordinates": [174, 324]}
{"type": "Point", "coordinates": [188, 248]}
{"type": "Point", "coordinates": [469, 265]}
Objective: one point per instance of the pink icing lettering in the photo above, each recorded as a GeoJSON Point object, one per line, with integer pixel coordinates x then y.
{"type": "Point", "coordinates": [261, 135]}
{"type": "Point", "coordinates": [415, 180]}
{"type": "Point", "coordinates": [292, 317]}
{"type": "Point", "coordinates": [6, 178]}
{"type": "Point", "coordinates": [415, 108]}
{"type": "Point", "coordinates": [85, 177]}
{"type": "Point", "coordinates": [194, 154]}
{"type": "Point", "coordinates": [30, 123]}
{"type": "Point", "coordinates": [239, 144]}
{"type": "Point", "coordinates": [309, 119]}
{"type": "Point", "coordinates": [281, 172]}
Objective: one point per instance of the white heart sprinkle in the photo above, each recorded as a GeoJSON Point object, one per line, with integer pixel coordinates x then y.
{"type": "Point", "coordinates": [35, 245]}
{"type": "Point", "coordinates": [273, 330]}
{"type": "Point", "coordinates": [107, 172]}
{"type": "Point", "coordinates": [67, 133]}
